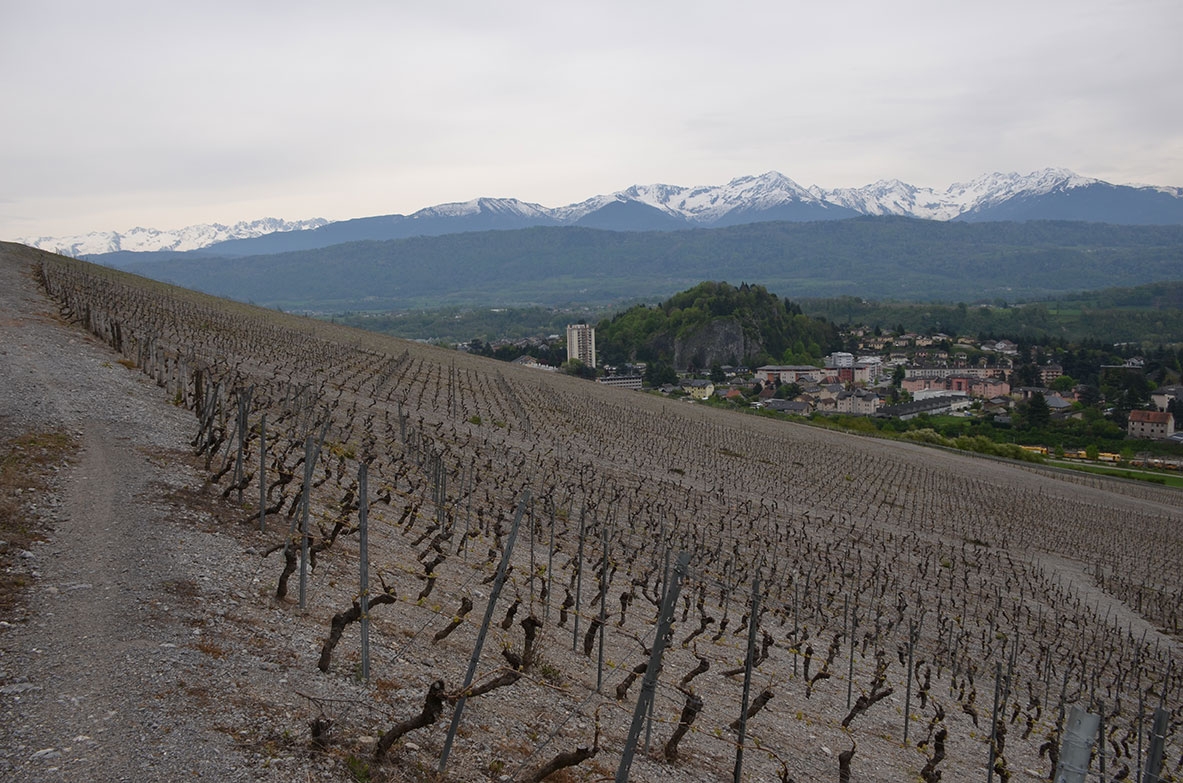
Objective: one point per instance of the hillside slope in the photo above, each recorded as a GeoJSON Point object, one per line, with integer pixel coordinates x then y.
{"type": "Point", "coordinates": [866, 257]}
{"type": "Point", "coordinates": [956, 564]}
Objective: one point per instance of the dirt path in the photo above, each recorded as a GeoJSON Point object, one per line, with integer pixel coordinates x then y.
{"type": "Point", "coordinates": [103, 674]}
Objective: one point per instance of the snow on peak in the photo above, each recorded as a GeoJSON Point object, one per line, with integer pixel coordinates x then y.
{"type": "Point", "coordinates": [991, 189]}
{"type": "Point", "coordinates": [892, 197]}
{"type": "Point", "coordinates": [573, 212]}
{"type": "Point", "coordinates": [699, 205]}
{"type": "Point", "coordinates": [502, 206]}
{"type": "Point", "coordinates": [707, 203]}
{"type": "Point", "coordinates": [142, 240]}
{"type": "Point", "coordinates": [768, 189]}
{"type": "Point", "coordinates": [1170, 191]}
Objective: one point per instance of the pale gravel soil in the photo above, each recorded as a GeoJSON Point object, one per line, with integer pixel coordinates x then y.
{"type": "Point", "coordinates": [127, 659]}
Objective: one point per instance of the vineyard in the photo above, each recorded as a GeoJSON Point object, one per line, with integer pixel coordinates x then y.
{"type": "Point", "coordinates": [581, 578]}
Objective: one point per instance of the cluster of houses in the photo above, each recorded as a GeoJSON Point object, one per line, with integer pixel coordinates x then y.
{"type": "Point", "coordinates": [934, 371]}
{"type": "Point", "coordinates": [864, 386]}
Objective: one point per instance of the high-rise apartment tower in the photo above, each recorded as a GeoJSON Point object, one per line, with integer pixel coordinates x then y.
{"type": "Point", "coordinates": [581, 343]}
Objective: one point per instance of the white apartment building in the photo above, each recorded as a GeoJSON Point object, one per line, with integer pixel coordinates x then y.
{"type": "Point", "coordinates": [581, 343]}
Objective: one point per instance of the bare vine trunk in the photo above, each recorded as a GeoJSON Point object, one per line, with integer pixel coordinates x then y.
{"type": "Point", "coordinates": [433, 707]}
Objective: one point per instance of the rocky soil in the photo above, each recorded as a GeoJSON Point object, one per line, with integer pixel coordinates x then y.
{"type": "Point", "coordinates": [141, 648]}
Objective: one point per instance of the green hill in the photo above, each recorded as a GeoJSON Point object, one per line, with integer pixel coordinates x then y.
{"type": "Point", "coordinates": [715, 323]}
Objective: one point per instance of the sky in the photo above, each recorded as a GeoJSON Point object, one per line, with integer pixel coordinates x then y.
{"type": "Point", "coordinates": [119, 114]}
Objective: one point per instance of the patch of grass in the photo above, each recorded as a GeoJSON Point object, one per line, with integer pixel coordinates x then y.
{"type": "Point", "coordinates": [26, 466]}
{"type": "Point", "coordinates": [551, 673]}
{"type": "Point", "coordinates": [358, 767]}
{"type": "Point", "coordinates": [1164, 479]}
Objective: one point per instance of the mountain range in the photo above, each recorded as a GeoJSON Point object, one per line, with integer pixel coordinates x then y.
{"type": "Point", "coordinates": [152, 240]}
{"type": "Point", "coordinates": [1050, 194]}
{"type": "Point", "coordinates": [879, 257]}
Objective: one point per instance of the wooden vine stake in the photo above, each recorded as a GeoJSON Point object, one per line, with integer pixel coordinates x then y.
{"type": "Point", "coordinates": [263, 474]}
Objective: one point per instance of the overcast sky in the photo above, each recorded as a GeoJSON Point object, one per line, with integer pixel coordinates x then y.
{"type": "Point", "coordinates": [166, 114]}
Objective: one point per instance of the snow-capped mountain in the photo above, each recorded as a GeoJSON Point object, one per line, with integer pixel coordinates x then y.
{"type": "Point", "coordinates": [745, 194]}
{"type": "Point", "coordinates": [141, 240]}
{"type": "Point", "coordinates": [752, 198]}
{"type": "Point", "coordinates": [702, 205]}
{"type": "Point", "coordinates": [1050, 194]}
{"type": "Point", "coordinates": [994, 189]}
{"type": "Point", "coordinates": [892, 197]}
{"type": "Point", "coordinates": [477, 206]}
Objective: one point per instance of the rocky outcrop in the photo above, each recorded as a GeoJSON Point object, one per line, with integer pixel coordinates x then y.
{"type": "Point", "coordinates": [720, 341]}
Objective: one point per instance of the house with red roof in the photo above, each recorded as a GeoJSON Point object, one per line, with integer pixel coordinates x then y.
{"type": "Point", "coordinates": [1150, 425]}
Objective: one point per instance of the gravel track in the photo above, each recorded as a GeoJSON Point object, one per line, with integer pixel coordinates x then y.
{"type": "Point", "coordinates": [121, 634]}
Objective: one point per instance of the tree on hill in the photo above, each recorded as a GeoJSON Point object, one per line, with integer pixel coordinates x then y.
{"type": "Point", "coordinates": [1063, 383]}
{"type": "Point", "coordinates": [579, 369]}
{"type": "Point", "coordinates": [659, 374]}
{"type": "Point", "coordinates": [1035, 413]}
{"type": "Point", "coordinates": [716, 323]}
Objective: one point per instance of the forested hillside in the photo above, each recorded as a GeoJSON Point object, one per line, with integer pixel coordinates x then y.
{"type": "Point", "coordinates": [716, 323]}
{"type": "Point", "coordinates": [1149, 314]}
{"type": "Point", "coordinates": [883, 258]}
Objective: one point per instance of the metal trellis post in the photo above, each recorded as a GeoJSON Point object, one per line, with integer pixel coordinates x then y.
{"type": "Point", "coordinates": [753, 621]}
{"type": "Point", "coordinates": [480, 639]}
{"type": "Point", "coordinates": [363, 513]}
{"type": "Point", "coordinates": [649, 684]}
